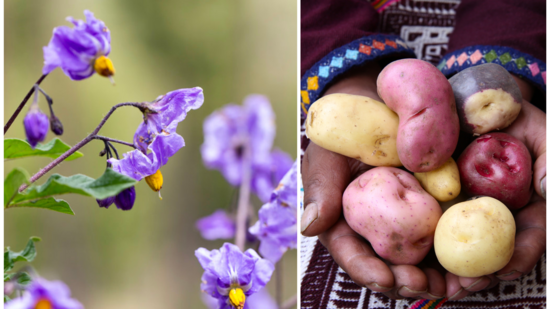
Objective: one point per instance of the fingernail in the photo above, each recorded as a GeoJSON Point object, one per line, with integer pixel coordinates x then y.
{"type": "Point", "coordinates": [436, 296]}
{"type": "Point", "coordinates": [471, 286]}
{"type": "Point", "coordinates": [409, 291]}
{"type": "Point", "coordinates": [543, 186]}
{"type": "Point", "coordinates": [456, 294]}
{"type": "Point", "coordinates": [378, 288]}
{"type": "Point", "coordinates": [310, 214]}
{"type": "Point", "coordinates": [507, 275]}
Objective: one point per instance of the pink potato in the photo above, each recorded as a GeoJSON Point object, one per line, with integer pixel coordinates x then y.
{"type": "Point", "coordinates": [497, 165]}
{"type": "Point", "coordinates": [390, 209]}
{"type": "Point", "coordinates": [428, 121]}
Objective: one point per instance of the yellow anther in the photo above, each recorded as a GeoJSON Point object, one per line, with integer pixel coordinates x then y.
{"type": "Point", "coordinates": [237, 298]}
{"type": "Point", "coordinates": [104, 66]}
{"type": "Point", "coordinates": [155, 182]}
{"type": "Point", "coordinates": [43, 304]}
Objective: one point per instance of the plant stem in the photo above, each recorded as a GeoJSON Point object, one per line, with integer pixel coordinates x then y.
{"type": "Point", "coordinates": [79, 145]}
{"type": "Point", "coordinates": [244, 197]}
{"type": "Point", "coordinates": [108, 139]}
{"type": "Point", "coordinates": [22, 104]}
{"type": "Point", "coordinates": [289, 303]}
{"type": "Point", "coordinates": [279, 282]}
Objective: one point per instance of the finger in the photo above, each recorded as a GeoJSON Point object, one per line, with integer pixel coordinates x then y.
{"type": "Point", "coordinates": [455, 291]}
{"type": "Point", "coordinates": [474, 284]}
{"type": "Point", "coordinates": [530, 129]}
{"type": "Point", "coordinates": [530, 241]}
{"type": "Point", "coordinates": [410, 282]}
{"type": "Point", "coordinates": [436, 284]}
{"type": "Point", "coordinates": [356, 257]}
{"type": "Point", "coordinates": [326, 175]}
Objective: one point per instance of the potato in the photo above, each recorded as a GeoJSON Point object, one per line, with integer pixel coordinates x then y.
{"type": "Point", "coordinates": [443, 183]}
{"type": "Point", "coordinates": [428, 121]}
{"type": "Point", "coordinates": [354, 126]}
{"type": "Point", "coordinates": [487, 98]}
{"type": "Point", "coordinates": [390, 209]}
{"type": "Point", "coordinates": [475, 238]}
{"type": "Point", "coordinates": [497, 165]}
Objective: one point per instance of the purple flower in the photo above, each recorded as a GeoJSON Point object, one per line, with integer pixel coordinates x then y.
{"type": "Point", "coordinates": [218, 225]}
{"type": "Point", "coordinates": [230, 131]}
{"type": "Point", "coordinates": [230, 275]}
{"type": "Point", "coordinates": [262, 300]}
{"type": "Point", "coordinates": [45, 294]}
{"type": "Point", "coordinates": [106, 202]}
{"type": "Point", "coordinates": [80, 50]}
{"type": "Point", "coordinates": [36, 125]}
{"type": "Point", "coordinates": [266, 177]}
{"type": "Point", "coordinates": [156, 138]}
{"type": "Point", "coordinates": [286, 193]}
{"type": "Point", "coordinates": [276, 227]}
{"type": "Point", "coordinates": [125, 199]}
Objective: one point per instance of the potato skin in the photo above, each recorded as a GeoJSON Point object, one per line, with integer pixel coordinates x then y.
{"type": "Point", "coordinates": [443, 183]}
{"type": "Point", "coordinates": [487, 98]}
{"type": "Point", "coordinates": [390, 209]}
{"type": "Point", "coordinates": [475, 238]}
{"type": "Point", "coordinates": [355, 126]}
{"type": "Point", "coordinates": [428, 122]}
{"type": "Point", "coordinates": [497, 165]}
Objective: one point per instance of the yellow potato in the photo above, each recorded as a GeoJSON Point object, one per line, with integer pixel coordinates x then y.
{"type": "Point", "coordinates": [355, 126]}
{"type": "Point", "coordinates": [443, 183]}
{"type": "Point", "coordinates": [475, 238]}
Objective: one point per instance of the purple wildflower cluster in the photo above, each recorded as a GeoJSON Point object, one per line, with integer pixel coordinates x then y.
{"type": "Point", "coordinates": [228, 131]}
{"type": "Point", "coordinates": [276, 228]}
{"type": "Point", "coordinates": [45, 294]}
{"type": "Point", "coordinates": [230, 275]}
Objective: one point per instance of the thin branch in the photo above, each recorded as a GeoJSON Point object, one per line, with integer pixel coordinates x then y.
{"type": "Point", "coordinates": [80, 144]}
{"type": "Point", "coordinates": [244, 197]}
{"type": "Point", "coordinates": [22, 104]}
{"type": "Point", "coordinates": [108, 139]}
{"type": "Point", "coordinates": [289, 303]}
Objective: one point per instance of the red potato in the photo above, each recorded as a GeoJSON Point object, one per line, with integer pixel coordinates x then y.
{"type": "Point", "coordinates": [487, 98]}
{"type": "Point", "coordinates": [390, 209]}
{"type": "Point", "coordinates": [497, 165]}
{"type": "Point", "coordinates": [428, 122]}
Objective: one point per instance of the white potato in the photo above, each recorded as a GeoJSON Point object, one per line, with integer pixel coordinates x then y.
{"type": "Point", "coordinates": [475, 238]}
{"type": "Point", "coordinates": [443, 183]}
{"type": "Point", "coordinates": [355, 126]}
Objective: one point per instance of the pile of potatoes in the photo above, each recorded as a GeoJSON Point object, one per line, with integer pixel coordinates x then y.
{"type": "Point", "coordinates": [397, 209]}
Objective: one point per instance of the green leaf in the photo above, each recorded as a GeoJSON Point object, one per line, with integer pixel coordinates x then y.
{"type": "Point", "coordinates": [109, 184]}
{"type": "Point", "coordinates": [6, 298]}
{"type": "Point", "coordinates": [13, 181]}
{"type": "Point", "coordinates": [16, 148]}
{"type": "Point", "coordinates": [7, 277]}
{"type": "Point", "coordinates": [28, 254]}
{"type": "Point", "coordinates": [47, 203]}
{"type": "Point", "coordinates": [24, 278]}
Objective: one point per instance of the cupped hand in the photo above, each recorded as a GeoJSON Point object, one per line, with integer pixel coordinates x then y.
{"type": "Point", "coordinates": [530, 244]}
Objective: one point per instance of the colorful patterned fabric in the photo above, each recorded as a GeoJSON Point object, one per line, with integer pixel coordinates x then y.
{"type": "Point", "coordinates": [342, 59]}
{"type": "Point", "coordinates": [512, 60]}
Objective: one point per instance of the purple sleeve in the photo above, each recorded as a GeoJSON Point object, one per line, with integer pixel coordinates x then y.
{"type": "Point", "coordinates": [511, 33]}
{"type": "Point", "coordinates": [337, 35]}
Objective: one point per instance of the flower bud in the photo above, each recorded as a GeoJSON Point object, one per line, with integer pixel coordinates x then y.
{"type": "Point", "coordinates": [36, 125]}
{"type": "Point", "coordinates": [56, 126]}
{"type": "Point", "coordinates": [125, 199]}
{"type": "Point", "coordinates": [155, 182]}
{"type": "Point", "coordinates": [106, 202]}
{"type": "Point", "coordinates": [237, 298]}
{"type": "Point", "coordinates": [104, 66]}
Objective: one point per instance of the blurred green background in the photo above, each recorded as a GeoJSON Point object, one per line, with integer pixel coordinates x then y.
{"type": "Point", "coordinates": [144, 258]}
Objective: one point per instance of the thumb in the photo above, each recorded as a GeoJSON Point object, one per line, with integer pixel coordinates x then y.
{"type": "Point", "coordinates": [325, 175]}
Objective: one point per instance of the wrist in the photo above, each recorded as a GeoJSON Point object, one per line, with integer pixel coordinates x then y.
{"type": "Point", "coordinates": [358, 81]}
